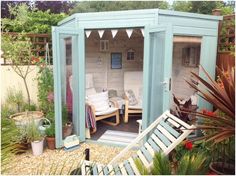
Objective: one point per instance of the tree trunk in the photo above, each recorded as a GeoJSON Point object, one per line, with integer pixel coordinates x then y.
{"type": "Point", "coordinates": [27, 90]}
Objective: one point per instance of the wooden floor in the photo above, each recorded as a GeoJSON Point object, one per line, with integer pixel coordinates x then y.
{"type": "Point", "coordinates": [131, 126]}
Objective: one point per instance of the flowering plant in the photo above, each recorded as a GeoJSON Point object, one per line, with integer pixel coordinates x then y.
{"type": "Point", "coordinates": [220, 124]}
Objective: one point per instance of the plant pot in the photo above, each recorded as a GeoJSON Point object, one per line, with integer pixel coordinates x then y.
{"type": "Point", "coordinates": [67, 129]}
{"type": "Point", "coordinates": [37, 147]}
{"type": "Point", "coordinates": [220, 168]}
{"type": "Point", "coordinates": [23, 118]}
{"type": "Point", "coordinates": [50, 142]}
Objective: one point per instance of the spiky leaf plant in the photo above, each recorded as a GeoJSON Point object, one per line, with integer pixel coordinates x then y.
{"type": "Point", "coordinates": [9, 142]}
{"type": "Point", "coordinates": [161, 165]}
{"type": "Point", "coordinates": [193, 164]}
{"type": "Point", "coordinates": [221, 96]}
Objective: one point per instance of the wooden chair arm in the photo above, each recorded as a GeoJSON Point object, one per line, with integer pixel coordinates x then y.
{"type": "Point", "coordinates": [92, 107]}
{"type": "Point", "coordinates": [114, 103]}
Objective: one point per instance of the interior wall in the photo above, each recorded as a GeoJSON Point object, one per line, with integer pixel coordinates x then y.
{"type": "Point", "coordinates": [99, 63]}
{"type": "Point", "coordinates": [180, 72]}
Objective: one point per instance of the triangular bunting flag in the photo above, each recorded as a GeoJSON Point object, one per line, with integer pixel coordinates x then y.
{"type": "Point", "coordinates": [88, 33]}
{"type": "Point", "coordinates": [114, 32]}
{"type": "Point", "coordinates": [100, 32]}
{"type": "Point", "coordinates": [142, 30]}
{"type": "Point", "coordinates": [129, 32]}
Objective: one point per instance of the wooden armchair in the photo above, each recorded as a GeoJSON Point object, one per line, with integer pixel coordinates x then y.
{"type": "Point", "coordinates": [112, 111]}
{"type": "Point", "coordinates": [133, 81]}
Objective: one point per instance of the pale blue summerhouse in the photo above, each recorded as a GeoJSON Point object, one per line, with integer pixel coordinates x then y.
{"type": "Point", "coordinates": [84, 42]}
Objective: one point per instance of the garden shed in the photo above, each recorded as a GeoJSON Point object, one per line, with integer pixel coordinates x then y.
{"type": "Point", "coordinates": [159, 47]}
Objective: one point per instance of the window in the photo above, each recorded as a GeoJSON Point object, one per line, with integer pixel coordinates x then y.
{"type": "Point", "coordinates": [104, 45]}
{"type": "Point", "coordinates": [130, 54]}
{"type": "Point", "coordinates": [116, 60]}
{"type": "Point", "coordinates": [191, 56]}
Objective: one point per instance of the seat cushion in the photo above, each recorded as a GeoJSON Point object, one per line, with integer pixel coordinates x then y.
{"type": "Point", "coordinates": [137, 106]}
{"type": "Point", "coordinates": [132, 99]}
{"type": "Point", "coordinates": [108, 111]}
{"type": "Point", "coordinates": [90, 91]}
{"type": "Point", "coordinates": [99, 101]}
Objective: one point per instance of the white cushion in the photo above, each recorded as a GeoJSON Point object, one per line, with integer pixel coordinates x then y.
{"type": "Point", "coordinates": [108, 111]}
{"type": "Point", "coordinates": [99, 101]}
{"type": "Point", "coordinates": [134, 80]}
{"type": "Point", "coordinates": [89, 81]}
{"type": "Point", "coordinates": [137, 106]}
{"type": "Point", "coordinates": [90, 91]}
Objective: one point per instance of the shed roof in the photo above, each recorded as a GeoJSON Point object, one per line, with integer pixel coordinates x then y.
{"type": "Point", "coordinates": [115, 14]}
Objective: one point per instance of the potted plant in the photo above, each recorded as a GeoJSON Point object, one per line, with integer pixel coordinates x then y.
{"type": "Point", "coordinates": [35, 137]}
{"type": "Point", "coordinates": [218, 126]}
{"type": "Point", "coordinates": [50, 136]}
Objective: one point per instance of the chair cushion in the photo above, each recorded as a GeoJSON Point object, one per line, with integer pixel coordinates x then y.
{"type": "Point", "coordinates": [90, 91]}
{"type": "Point", "coordinates": [134, 80]}
{"type": "Point", "coordinates": [132, 99]}
{"type": "Point", "coordinates": [99, 101]}
{"type": "Point", "coordinates": [137, 106]}
{"type": "Point", "coordinates": [108, 111]}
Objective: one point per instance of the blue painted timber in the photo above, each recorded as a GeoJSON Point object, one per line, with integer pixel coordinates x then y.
{"type": "Point", "coordinates": [171, 23]}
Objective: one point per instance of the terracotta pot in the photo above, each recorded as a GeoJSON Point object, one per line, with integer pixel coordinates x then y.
{"type": "Point", "coordinates": [67, 129]}
{"type": "Point", "coordinates": [50, 142]}
{"type": "Point", "coordinates": [217, 168]}
{"type": "Point", "coordinates": [37, 147]}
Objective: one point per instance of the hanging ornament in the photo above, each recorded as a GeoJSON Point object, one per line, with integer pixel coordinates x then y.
{"type": "Point", "coordinates": [142, 30]}
{"type": "Point", "coordinates": [100, 32]}
{"type": "Point", "coordinates": [129, 32]}
{"type": "Point", "coordinates": [114, 32]}
{"type": "Point", "coordinates": [88, 33]}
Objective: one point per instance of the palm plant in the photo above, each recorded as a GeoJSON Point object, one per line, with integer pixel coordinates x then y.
{"type": "Point", "coordinates": [219, 126]}
{"type": "Point", "coordinates": [222, 123]}
{"type": "Point", "coordinates": [189, 164]}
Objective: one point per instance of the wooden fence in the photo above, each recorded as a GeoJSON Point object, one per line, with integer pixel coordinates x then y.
{"type": "Point", "coordinates": [39, 42]}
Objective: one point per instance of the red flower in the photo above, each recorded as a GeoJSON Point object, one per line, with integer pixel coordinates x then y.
{"type": "Point", "coordinates": [209, 113]}
{"type": "Point", "coordinates": [188, 145]}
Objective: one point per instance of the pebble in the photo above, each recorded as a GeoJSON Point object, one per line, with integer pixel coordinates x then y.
{"type": "Point", "coordinates": [60, 162]}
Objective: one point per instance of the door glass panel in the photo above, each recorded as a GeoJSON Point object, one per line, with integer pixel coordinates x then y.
{"type": "Point", "coordinates": [67, 88]}
{"type": "Point", "coordinates": [156, 74]}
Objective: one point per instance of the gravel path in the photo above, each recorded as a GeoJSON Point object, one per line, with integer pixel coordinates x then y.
{"type": "Point", "coordinates": [58, 162]}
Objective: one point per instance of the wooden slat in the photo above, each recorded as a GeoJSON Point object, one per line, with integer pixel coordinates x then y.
{"type": "Point", "coordinates": [142, 158]}
{"type": "Point", "coordinates": [172, 122]}
{"type": "Point", "coordinates": [167, 134]}
{"type": "Point", "coordinates": [111, 169]}
{"type": "Point", "coordinates": [95, 170]}
{"type": "Point", "coordinates": [128, 168]}
{"type": "Point", "coordinates": [155, 147]}
{"type": "Point", "coordinates": [100, 172]}
{"type": "Point", "coordinates": [132, 164]}
{"type": "Point", "coordinates": [83, 171]}
{"type": "Point", "coordinates": [162, 137]}
{"type": "Point", "coordinates": [149, 148]}
{"type": "Point", "coordinates": [122, 168]}
{"type": "Point", "coordinates": [117, 170]}
{"type": "Point", "coordinates": [147, 155]}
{"type": "Point", "coordinates": [178, 120]}
{"type": "Point", "coordinates": [87, 170]}
{"type": "Point", "coordinates": [105, 170]}
{"type": "Point", "coordinates": [170, 129]}
{"type": "Point", "coordinates": [158, 142]}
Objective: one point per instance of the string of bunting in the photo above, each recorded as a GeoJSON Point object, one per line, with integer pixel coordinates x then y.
{"type": "Point", "coordinates": [129, 32]}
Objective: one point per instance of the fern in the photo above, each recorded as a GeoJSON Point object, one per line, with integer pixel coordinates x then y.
{"type": "Point", "coordinates": [161, 165]}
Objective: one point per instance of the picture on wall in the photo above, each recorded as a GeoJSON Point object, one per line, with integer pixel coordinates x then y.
{"type": "Point", "coordinates": [116, 60]}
